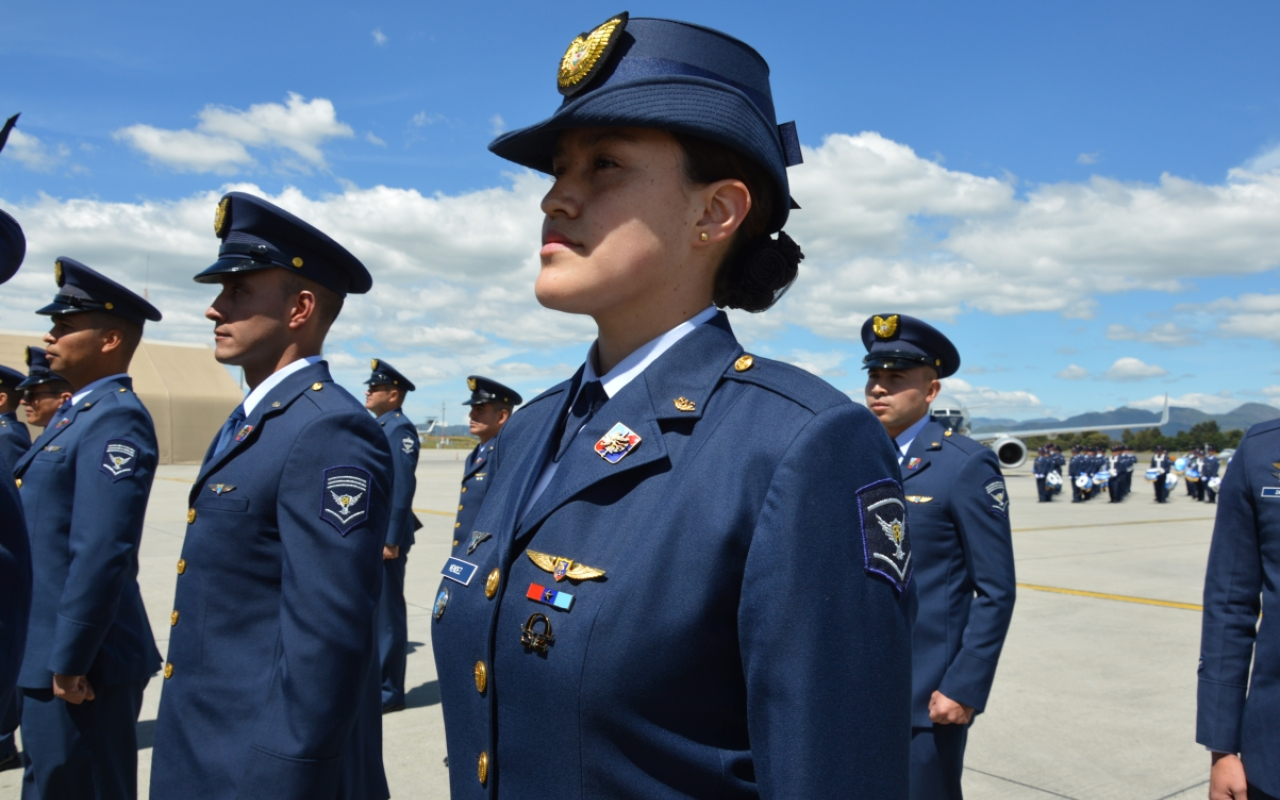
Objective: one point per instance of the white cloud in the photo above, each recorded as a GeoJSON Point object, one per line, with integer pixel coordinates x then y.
{"type": "Point", "coordinates": [985, 399]}
{"type": "Point", "coordinates": [497, 125]}
{"type": "Point", "coordinates": [371, 139]}
{"type": "Point", "coordinates": [826, 364]}
{"type": "Point", "coordinates": [1249, 315]}
{"type": "Point", "coordinates": [1074, 372]}
{"type": "Point", "coordinates": [1164, 335]}
{"type": "Point", "coordinates": [32, 153]}
{"type": "Point", "coordinates": [219, 142]}
{"type": "Point", "coordinates": [1266, 161]}
{"type": "Point", "coordinates": [379, 38]}
{"type": "Point", "coordinates": [422, 119]}
{"type": "Point", "coordinates": [1087, 158]}
{"type": "Point", "coordinates": [1208, 403]}
{"type": "Point", "coordinates": [1133, 369]}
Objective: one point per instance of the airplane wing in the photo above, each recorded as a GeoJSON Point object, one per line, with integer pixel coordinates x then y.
{"type": "Point", "coordinates": [989, 435]}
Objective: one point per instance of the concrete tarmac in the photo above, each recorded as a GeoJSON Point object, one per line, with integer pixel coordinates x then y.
{"type": "Point", "coordinates": [1094, 699]}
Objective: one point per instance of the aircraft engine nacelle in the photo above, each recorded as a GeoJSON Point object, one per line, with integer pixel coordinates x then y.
{"type": "Point", "coordinates": [1011, 452]}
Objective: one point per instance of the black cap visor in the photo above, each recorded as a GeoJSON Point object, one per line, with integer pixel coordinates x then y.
{"type": "Point", "coordinates": [896, 360]}
{"type": "Point", "coordinates": [231, 265]}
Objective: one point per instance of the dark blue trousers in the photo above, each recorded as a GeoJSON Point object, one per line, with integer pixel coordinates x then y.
{"type": "Point", "coordinates": [393, 628]}
{"type": "Point", "coordinates": [937, 760]}
{"type": "Point", "coordinates": [84, 752]}
{"type": "Point", "coordinates": [9, 719]}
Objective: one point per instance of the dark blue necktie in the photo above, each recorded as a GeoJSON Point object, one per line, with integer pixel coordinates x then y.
{"type": "Point", "coordinates": [589, 401]}
{"type": "Point", "coordinates": [229, 428]}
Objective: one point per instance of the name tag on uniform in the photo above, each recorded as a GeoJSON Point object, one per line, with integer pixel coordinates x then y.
{"type": "Point", "coordinates": [455, 569]}
{"type": "Point", "coordinates": [1271, 491]}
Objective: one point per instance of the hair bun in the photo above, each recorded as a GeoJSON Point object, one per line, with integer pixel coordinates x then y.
{"type": "Point", "coordinates": [760, 274]}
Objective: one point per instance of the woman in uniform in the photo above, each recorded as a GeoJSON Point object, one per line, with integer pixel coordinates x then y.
{"type": "Point", "coordinates": [693, 576]}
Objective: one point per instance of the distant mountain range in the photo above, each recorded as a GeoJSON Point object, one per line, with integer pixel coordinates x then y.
{"type": "Point", "coordinates": [1180, 419]}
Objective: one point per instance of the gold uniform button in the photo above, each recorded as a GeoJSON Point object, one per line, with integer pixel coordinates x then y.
{"type": "Point", "coordinates": [182, 565]}
{"type": "Point", "coordinates": [19, 482]}
{"type": "Point", "coordinates": [491, 583]}
{"type": "Point", "coordinates": [457, 525]}
{"type": "Point", "coordinates": [191, 515]}
{"type": "Point", "coordinates": [482, 768]}
{"type": "Point", "coordinates": [168, 671]}
{"type": "Point", "coordinates": [459, 506]}
{"type": "Point", "coordinates": [482, 677]}
{"type": "Point", "coordinates": [743, 363]}
{"type": "Point", "coordinates": [173, 618]}
{"type": "Point", "coordinates": [317, 386]}
{"type": "Point", "coordinates": [455, 542]}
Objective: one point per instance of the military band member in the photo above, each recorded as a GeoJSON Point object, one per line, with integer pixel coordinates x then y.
{"type": "Point", "coordinates": [958, 515]}
{"type": "Point", "coordinates": [1075, 469]}
{"type": "Point", "coordinates": [673, 541]}
{"type": "Point", "coordinates": [1210, 472]}
{"type": "Point", "coordinates": [272, 680]}
{"type": "Point", "coordinates": [1127, 463]}
{"type": "Point", "coordinates": [84, 484]}
{"type": "Point", "coordinates": [15, 439]}
{"type": "Point", "coordinates": [1239, 674]}
{"type": "Point", "coordinates": [44, 391]}
{"type": "Point", "coordinates": [1163, 465]}
{"type": "Point", "coordinates": [385, 397]}
{"type": "Point", "coordinates": [15, 551]}
{"type": "Point", "coordinates": [491, 406]}
{"type": "Point", "coordinates": [1041, 471]}
{"type": "Point", "coordinates": [1113, 466]}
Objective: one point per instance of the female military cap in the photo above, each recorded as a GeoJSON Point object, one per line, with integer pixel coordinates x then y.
{"type": "Point", "coordinates": [38, 370]}
{"type": "Point", "coordinates": [13, 246]}
{"type": "Point", "coordinates": [668, 75]}
{"type": "Point", "coordinates": [897, 341]}
{"type": "Point", "coordinates": [258, 235]}
{"type": "Point", "coordinates": [81, 289]}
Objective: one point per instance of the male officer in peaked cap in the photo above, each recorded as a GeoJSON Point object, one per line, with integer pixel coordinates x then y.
{"type": "Point", "coordinates": [43, 391]}
{"type": "Point", "coordinates": [1239, 682]}
{"type": "Point", "coordinates": [491, 406]}
{"type": "Point", "coordinates": [958, 517]}
{"type": "Point", "coordinates": [84, 484]}
{"type": "Point", "coordinates": [271, 682]}
{"type": "Point", "coordinates": [385, 397]}
{"type": "Point", "coordinates": [14, 437]}
{"type": "Point", "coordinates": [15, 554]}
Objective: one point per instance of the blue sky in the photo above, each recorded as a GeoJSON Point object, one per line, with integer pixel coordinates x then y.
{"type": "Point", "coordinates": [1085, 196]}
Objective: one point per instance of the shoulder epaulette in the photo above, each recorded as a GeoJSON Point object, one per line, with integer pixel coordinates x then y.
{"type": "Point", "coordinates": [791, 382]}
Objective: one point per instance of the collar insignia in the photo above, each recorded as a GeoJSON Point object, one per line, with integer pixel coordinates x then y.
{"type": "Point", "coordinates": [561, 568]}
{"type": "Point", "coordinates": [617, 443]}
{"type": "Point", "coordinates": [588, 51]}
{"type": "Point", "coordinates": [476, 538]}
{"type": "Point", "coordinates": [243, 432]}
{"type": "Point", "coordinates": [62, 423]}
{"type": "Point", "coordinates": [685, 404]}
{"type": "Point", "coordinates": [913, 463]}
{"type": "Point", "coordinates": [885, 327]}
{"type": "Point", "coordinates": [221, 488]}
{"type": "Point", "coordinates": [52, 448]}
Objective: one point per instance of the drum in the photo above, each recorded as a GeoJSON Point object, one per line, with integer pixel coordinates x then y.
{"type": "Point", "coordinates": [1180, 466]}
{"type": "Point", "coordinates": [1082, 482]}
{"type": "Point", "coordinates": [1053, 479]}
{"type": "Point", "coordinates": [1153, 474]}
{"type": "Point", "coordinates": [1193, 475]}
{"type": "Point", "coordinates": [1171, 480]}
{"type": "Point", "coordinates": [1101, 479]}
{"type": "Point", "coordinates": [1214, 483]}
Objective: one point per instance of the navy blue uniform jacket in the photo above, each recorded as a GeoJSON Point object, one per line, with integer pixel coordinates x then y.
{"type": "Point", "coordinates": [15, 581]}
{"type": "Point", "coordinates": [85, 484]}
{"type": "Point", "coordinates": [402, 438]}
{"type": "Point", "coordinates": [274, 689]}
{"type": "Point", "coordinates": [15, 440]}
{"type": "Point", "coordinates": [1236, 712]}
{"type": "Point", "coordinates": [476, 480]}
{"type": "Point", "coordinates": [958, 511]}
{"type": "Point", "coordinates": [737, 646]}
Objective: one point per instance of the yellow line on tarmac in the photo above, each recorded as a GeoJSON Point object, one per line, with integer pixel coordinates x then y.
{"type": "Point", "coordinates": [1123, 598]}
{"type": "Point", "coordinates": [1110, 524]}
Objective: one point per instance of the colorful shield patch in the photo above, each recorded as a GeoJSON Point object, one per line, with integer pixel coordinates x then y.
{"type": "Point", "coordinates": [617, 443]}
{"type": "Point", "coordinates": [344, 502]}
{"type": "Point", "coordinates": [886, 548]}
{"type": "Point", "coordinates": [120, 459]}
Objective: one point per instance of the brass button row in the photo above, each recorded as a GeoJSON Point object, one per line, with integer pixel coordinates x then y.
{"type": "Point", "coordinates": [182, 565]}
{"type": "Point", "coordinates": [482, 768]}
{"type": "Point", "coordinates": [482, 677]}
{"type": "Point", "coordinates": [191, 515]}
{"type": "Point", "coordinates": [173, 618]}
{"type": "Point", "coordinates": [168, 671]}
{"type": "Point", "coordinates": [491, 583]}
{"type": "Point", "coordinates": [459, 506]}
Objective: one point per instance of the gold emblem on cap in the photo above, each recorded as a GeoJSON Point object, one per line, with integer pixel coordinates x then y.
{"type": "Point", "coordinates": [110, 306]}
{"type": "Point", "coordinates": [471, 384]}
{"type": "Point", "coordinates": [57, 272]}
{"type": "Point", "coordinates": [743, 363]}
{"type": "Point", "coordinates": [585, 52]}
{"type": "Point", "coordinates": [221, 217]}
{"type": "Point", "coordinates": [685, 404]}
{"type": "Point", "coordinates": [937, 362]}
{"type": "Point", "coordinates": [885, 327]}
{"type": "Point", "coordinates": [373, 363]}
{"type": "Point", "coordinates": [297, 262]}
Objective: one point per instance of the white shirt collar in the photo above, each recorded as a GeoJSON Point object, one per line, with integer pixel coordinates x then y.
{"type": "Point", "coordinates": [628, 368]}
{"type": "Point", "coordinates": [273, 380]}
{"type": "Point", "coordinates": [83, 393]}
{"type": "Point", "coordinates": [908, 436]}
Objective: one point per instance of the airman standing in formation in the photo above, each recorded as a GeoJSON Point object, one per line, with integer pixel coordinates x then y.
{"type": "Point", "coordinates": [15, 550]}
{"type": "Point", "coordinates": [44, 391]}
{"type": "Point", "coordinates": [491, 406]}
{"type": "Point", "coordinates": [385, 396]}
{"type": "Point", "coordinates": [15, 439]}
{"type": "Point", "coordinates": [1239, 673]}
{"type": "Point", "coordinates": [84, 483]}
{"type": "Point", "coordinates": [958, 516]}
{"type": "Point", "coordinates": [272, 679]}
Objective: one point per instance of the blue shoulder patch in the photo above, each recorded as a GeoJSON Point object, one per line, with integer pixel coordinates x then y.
{"type": "Point", "coordinates": [120, 459]}
{"type": "Point", "coordinates": [885, 546]}
{"type": "Point", "coordinates": [344, 501]}
{"type": "Point", "coordinates": [998, 496]}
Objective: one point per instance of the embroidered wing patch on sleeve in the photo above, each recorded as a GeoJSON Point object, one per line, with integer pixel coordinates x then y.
{"type": "Point", "coordinates": [407, 444]}
{"type": "Point", "coordinates": [344, 502]}
{"type": "Point", "coordinates": [120, 459]}
{"type": "Point", "coordinates": [886, 548]}
{"type": "Point", "coordinates": [997, 498]}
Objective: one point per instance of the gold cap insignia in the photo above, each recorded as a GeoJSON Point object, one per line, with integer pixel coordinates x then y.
{"type": "Point", "coordinates": [57, 272]}
{"type": "Point", "coordinates": [297, 262]}
{"type": "Point", "coordinates": [561, 568]}
{"type": "Point", "coordinates": [373, 363]}
{"type": "Point", "coordinates": [222, 218]}
{"type": "Point", "coordinates": [885, 327]}
{"type": "Point", "coordinates": [110, 306]}
{"type": "Point", "coordinates": [578, 66]}
{"type": "Point", "coordinates": [685, 404]}
{"type": "Point", "coordinates": [471, 384]}
{"type": "Point", "coordinates": [743, 363]}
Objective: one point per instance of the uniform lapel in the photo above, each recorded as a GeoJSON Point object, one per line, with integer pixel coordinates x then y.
{"type": "Point", "coordinates": [477, 459]}
{"type": "Point", "coordinates": [53, 432]}
{"type": "Point", "coordinates": [928, 440]}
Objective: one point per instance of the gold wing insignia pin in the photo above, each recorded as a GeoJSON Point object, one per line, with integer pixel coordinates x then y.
{"type": "Point", "coordinates": [885, 327]}
{"type": "Point", "coordinates": [915, 498]}
{"type": "Point", "coordinates": [561, 568]}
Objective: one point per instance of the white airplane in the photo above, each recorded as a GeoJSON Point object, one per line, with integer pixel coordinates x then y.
{"type": "Point", "coordinates": [1009, 446]}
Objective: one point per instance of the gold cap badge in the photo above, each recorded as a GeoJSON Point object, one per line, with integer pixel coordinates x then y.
{"type": "Point", "coordinates": [471, 384]}
{"type": "Point", "coordinates": [885, 327]}
{"type": "Point", "coordinates": [297, 262]}
{"type": "Point", "coordinates": [578, 66]}
{"type": "Point", "coordinates": [222, 218]}
{"type": "Point", "coordinates": [57, 272]}
{"type": "Point", "coordinates": [373, 363]}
